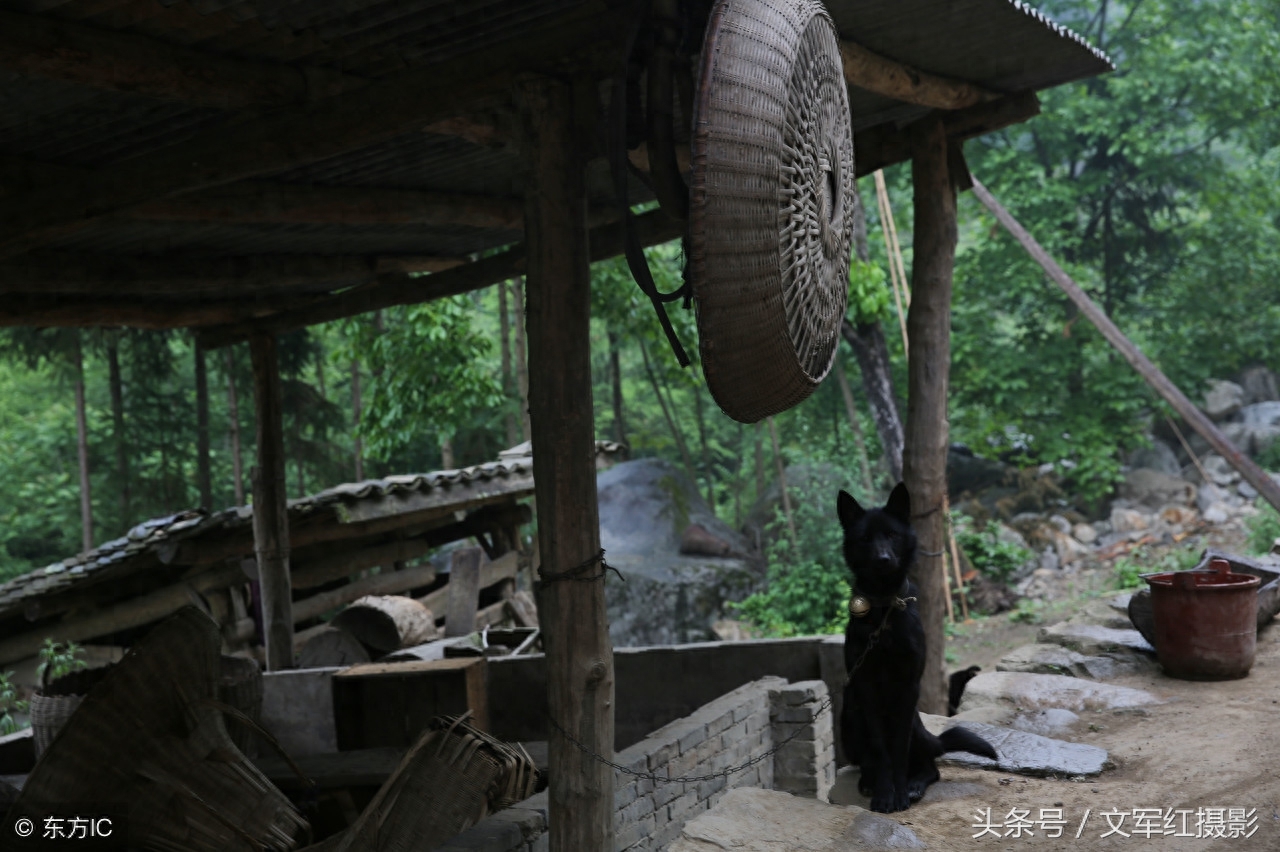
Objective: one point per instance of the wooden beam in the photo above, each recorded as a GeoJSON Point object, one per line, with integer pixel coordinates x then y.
{"type": "Point", "coordinates": [580, 681]}
{"type": "Point", "coordinates": [385, 583]}
{"type": "Point", "coordinates": [875, 73]}
{"type": "Point", "coordinates": [295, 136]}
{"type": "Point", "coordinates": [270, 513]}
{"type": "Point", "coordinates": [50, 311]}
{"type": "Point", "coordinates": [55, 49]}
{"type": "Point", "coordinates": [886, 145]}
{"type": "Point", "coordinates": [1254, 475]}
{"type": "Point", "coordinates": [391, 290]}
{"type": "Point", "coordinates": [258, 202]}
{"type": "Point", "coordinates": [924, 458]}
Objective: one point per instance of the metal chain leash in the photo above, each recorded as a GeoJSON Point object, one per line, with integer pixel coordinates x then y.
{"type": "Point", "coordinates": [733, 770]}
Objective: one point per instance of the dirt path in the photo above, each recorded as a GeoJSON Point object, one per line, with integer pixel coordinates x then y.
{"type": "Point", "coordinates": [1209, 746]}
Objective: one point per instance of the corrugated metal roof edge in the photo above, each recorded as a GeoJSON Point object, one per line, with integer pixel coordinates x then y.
{"type": "Point", "coordinates": [1036, 15]}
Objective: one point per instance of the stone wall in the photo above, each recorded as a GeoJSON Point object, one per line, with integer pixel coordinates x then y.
{"type": "Point", "coordinates": [732, 730]}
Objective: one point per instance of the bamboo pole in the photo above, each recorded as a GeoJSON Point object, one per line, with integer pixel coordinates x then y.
{"type": "Point", "coordinates": [955, 557]}
{"type": "Point", "coordinates": [1254, 475]}
{"type": "Point", "coordinates": [858, 437]}
{"type": "Point", "coordinates": [897, 273]}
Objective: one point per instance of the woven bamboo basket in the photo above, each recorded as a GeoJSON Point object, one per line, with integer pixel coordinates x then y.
{"type": "Point", "coordinates": [453, 777]}
{"type": "Point", "coordinates": [53, 704]}
{"type": "Point", "coordinates": [149, 743]}
{"type": "Point", "coordinates": [771, 210]}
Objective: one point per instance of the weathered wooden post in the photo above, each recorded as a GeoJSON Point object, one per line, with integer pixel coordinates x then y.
{"type": "Point", "coordinates": [924, 458]}
{"type": "Point", "coordinates": [270, 510]}
{"type": "Point", "coordinates": [572, 609]}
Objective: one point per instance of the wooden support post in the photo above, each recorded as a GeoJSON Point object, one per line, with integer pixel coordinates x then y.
{"type": "Point", "coordinates": [270, 510]}
{"type": "Point", "coordinates": [464, 592]}
{"type": "Point", "coordinates": [1254, 475]}
{"type": "Point", "coordinates": [580, 682]}
{"type": "Point", "coordinates": [924, 459]}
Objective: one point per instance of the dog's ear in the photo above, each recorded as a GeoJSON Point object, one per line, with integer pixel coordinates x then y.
{"type": "Point", "coordinates": [848, 509]}
{"type": "Point", "coordinates": [899, 505]}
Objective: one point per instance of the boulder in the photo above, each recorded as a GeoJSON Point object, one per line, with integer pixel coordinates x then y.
{"type": "Point", "coordinates": [1042, 691]}
{"type": "Point", "coordinates": [1129, 520]}
{"type": "Point", "coordinates": [970, 474]}
{"type": "Point", "coordinates": [1262, 420]}
{"type": "Point", "coordinates": [1223, 399]}
{"type": "Point", "coordinates": [1259, 384]}
{"type": "Point", "coordinates": [1159, 457]}
{"type": "Point", "coordinates": [646, 508]}
{"type": "Point", "coordinates": [1093, 639]}
{"type": "Point", "coordinates": [1219, 470]}
{"type": "Point", "coordinates": [1084, 533]}
{"type": "Point", "coordinates": [747, 819]}
{"type": "Point", "coordinates": [1154, 489]}
{"type": "Point", "coordinates": [1046, 723]}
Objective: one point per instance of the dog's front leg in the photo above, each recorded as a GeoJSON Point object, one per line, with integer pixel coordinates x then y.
{"type": "Point", "coordinates": [898, 736]}
{"type": "Point", "coordinates": [876, 759]}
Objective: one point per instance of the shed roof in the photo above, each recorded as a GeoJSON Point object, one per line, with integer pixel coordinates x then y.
{"type": "Point", "coordinates": [319, 146]}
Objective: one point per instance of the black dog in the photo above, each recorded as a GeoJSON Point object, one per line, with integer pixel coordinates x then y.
{"type": "Point", "coordinates": [884, 651]}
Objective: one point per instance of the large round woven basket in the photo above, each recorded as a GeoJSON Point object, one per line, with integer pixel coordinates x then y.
{"type": "Point", "coordinates": [771, 212]}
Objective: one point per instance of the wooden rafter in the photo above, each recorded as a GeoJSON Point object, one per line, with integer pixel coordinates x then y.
{"type": "Point", "coordinates": [295, 136]}
{"type": "Point", "coordinates": [42, 46]}
{"type": "Point", "coordinates": [883, 76]}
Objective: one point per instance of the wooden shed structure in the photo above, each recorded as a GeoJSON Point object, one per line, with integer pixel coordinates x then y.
{"type": "Point", "coordinates": [247, 167]}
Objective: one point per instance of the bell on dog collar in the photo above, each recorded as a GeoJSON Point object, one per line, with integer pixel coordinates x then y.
{"type": "Point", "coordinates": [859, 606]}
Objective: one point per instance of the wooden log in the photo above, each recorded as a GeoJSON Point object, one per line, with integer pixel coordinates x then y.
{"type": "Point", "coordinates": [580, 682]}
{"type": "Point", "coordinates": [1254, 475]}
{"type": "Point", "coordinates": [523, 609]}
{"type": "Point", "coordinates": [464, 591]}
{"type": "Point", "coordinates": [331, 646]}
{"type": "Point", "coordinates": [386, 583]}
{"type": "Point", "coordinates": [270, 512]}
{"type": "Point", "coordinates": [387, 622]}
{"type": "Point", "coordinates": [924, 460]}
{"type": "Point", "coordinates": [879, 74]}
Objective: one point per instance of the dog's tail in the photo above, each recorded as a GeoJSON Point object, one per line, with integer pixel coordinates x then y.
{"type": "Point", "coordinates": [961, 739]}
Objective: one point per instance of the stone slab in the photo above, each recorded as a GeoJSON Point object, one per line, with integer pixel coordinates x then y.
{"type": "Point", "coordinates": [1024, 753]}
{"type": "Point", "coordinates": [1093, 639]}
{"type": "Point", "coordinates": [752, 820]}
{"type": "Point", "coordinates": [1056, 659]}
{"type": "Point", "coordinates": [1041, 691]}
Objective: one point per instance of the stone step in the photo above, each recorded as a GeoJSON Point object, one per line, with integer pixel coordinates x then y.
{"type": "Point", "coordinates": [1027, 691]}
{"type": "Point", "coordinates": [1023, 752]}
{"type": "Point", "coordinates": [1093, 640]}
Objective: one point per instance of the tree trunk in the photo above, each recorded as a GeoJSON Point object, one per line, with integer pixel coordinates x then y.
{"type": "Point", "coordinates": [522, 364]}
{"type": "Point", "coordinates": [782, 481]}
{"type": "Point", "coordinates": [706, 453]}
{"type": "Point", "coordinates": [869, 347]}
{"type": "Point", "coordinates": [446, 454]}
{"type": "Point", "coordinates": [615, 377]}
{"type": "Point", "coordinates": [82, 449]}
{"type": "Point", "coordinates": [579, 656]}
{"type": "Point", "coordinates": [117, 427]}
{"type": "Point", "coordinates": [233, 425]}
{"type": "Point", "coordinates": [270, 510]}
{"type": "Point", "coordinates": [204, 479]}
{"type": "Point", "coordinates": [856, 426]}
{"type": "Point", "coordinates": [929, 367]}
{"type": "Point", "coordinates": [508, 380]}
{"type": "Point", "coordinates": [676, 435]}
{"type": "Point", "coordinates": [356, 414]}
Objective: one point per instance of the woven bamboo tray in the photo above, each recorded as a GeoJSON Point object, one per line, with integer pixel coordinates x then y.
{"type": "Point", "coordinates": [771, 212]}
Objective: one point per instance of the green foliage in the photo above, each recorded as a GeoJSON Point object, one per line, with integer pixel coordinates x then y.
{"type": "Point", "coordinates": [1269, 458]}
{"type": "Point", "coordinates": [998, 559]}
{"type": "Point", "coordinates": [869, 297]}
{"type": "Point", "coordinates": [9, 704]}
{"type": "Point", "coordinates": [1264, 527]}
{"type": "Point", "coordinates": [1143, 561]}
{"type": "Point", "coordinates": [807, 588]}
{"type": "Point", "coordinates": [57, 660]}
{"type": "Point", "coordinates": [1028, 611]}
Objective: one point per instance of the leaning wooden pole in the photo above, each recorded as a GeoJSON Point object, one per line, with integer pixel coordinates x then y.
{"type": "Point", "coordinates": [924, 458]}
{"type": "Point", "coordinates": [575, 630]}
{"type": "Point", "coordinates": [1254, 475]}
{"type": "Point", "coordinates": [270, 510]}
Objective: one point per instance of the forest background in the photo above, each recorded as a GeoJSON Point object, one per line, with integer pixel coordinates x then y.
{"type": "Point", "coordinates": [1155, 186]}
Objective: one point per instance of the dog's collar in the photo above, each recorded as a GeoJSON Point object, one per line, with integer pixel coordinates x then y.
{"type": "Point", "coordinates": [860, 603]}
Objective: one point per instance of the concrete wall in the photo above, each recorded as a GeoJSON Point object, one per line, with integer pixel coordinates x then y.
{"type": "Point", "coordinates": [734, 729]}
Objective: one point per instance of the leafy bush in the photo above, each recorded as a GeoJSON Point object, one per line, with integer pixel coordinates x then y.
{"type": "Point", "coordinates": [9, 704]}
{"type": "Point", "coordinates": [996, 558]}
{"type": "Point", "coordinates": [58, 660]}
{"type": "Point", "coordinates": [1141, 561]}
{"type": "Point", "coordinates": [1264, 527]}
{"type": "Point", "coordinates": [807, 590]}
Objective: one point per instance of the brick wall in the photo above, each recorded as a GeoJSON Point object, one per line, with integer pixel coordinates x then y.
{"type": "Point", "coordinates": [727, 732]}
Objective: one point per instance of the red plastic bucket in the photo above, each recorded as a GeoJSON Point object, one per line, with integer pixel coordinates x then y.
{"type": "Point", "coordinates": [1206, 622]}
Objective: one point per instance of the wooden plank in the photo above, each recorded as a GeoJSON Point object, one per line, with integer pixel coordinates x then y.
{"type": "Point", "coordinates": [884, 76]}
{"type": "Point", "coordinates": [580, 682]}
{"type": "Point", "coordinates": [270, 512]}
{"type": "Point", "coordinates": [294, 136]}
{"type": "Point", "coordinates": [390, 704]}
{"type": "Point", "coordinates": [464, 591]}
{"type": "Point", "coordinates": [56, 49]}
{"type": "Point", "coordinates": [1254, 475]}
{"type": "Point", "coordinates": [390, 290]}
{"type": "Point", "coordinates": [387, 583]}
{"type": "Point", "coordinates": [924, 458]}
{"type": "Point", "coordinates": [503, 568]}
